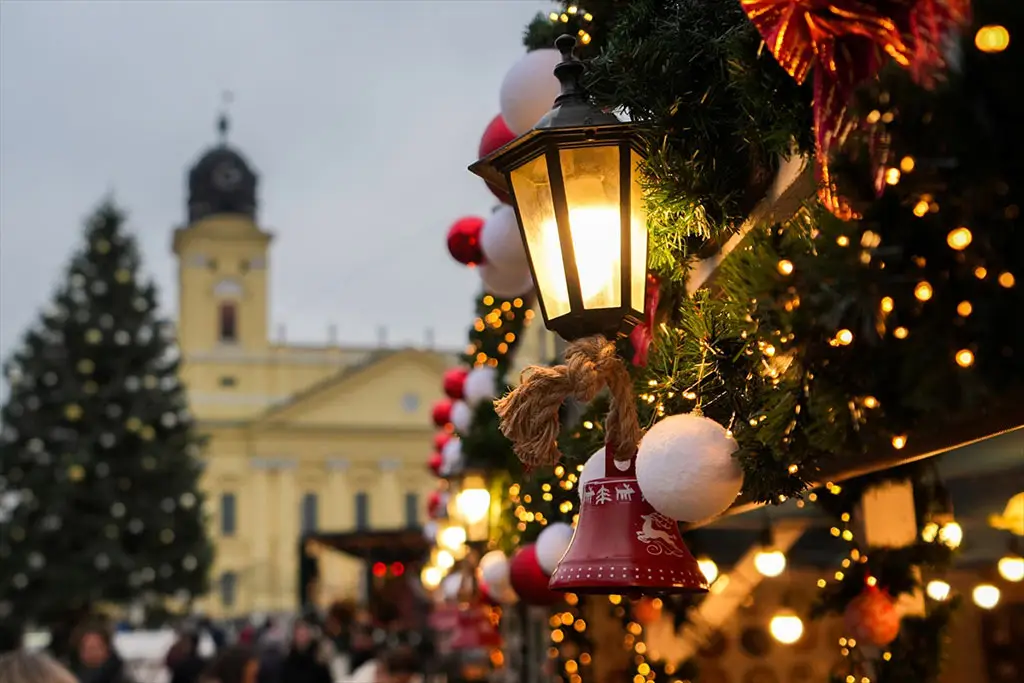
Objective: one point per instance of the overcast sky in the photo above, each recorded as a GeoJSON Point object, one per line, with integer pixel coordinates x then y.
{"type": "Point", "coordinates": [360, 118]}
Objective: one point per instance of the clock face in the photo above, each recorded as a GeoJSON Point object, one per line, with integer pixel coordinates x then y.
{"type": "Point", "coordinates": [227, 177]}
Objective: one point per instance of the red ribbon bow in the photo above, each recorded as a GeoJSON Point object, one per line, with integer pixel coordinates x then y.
{"type": "Point", "coordinates": [642, 335]}
{"type": "Point", "coordinates": [846, 42]}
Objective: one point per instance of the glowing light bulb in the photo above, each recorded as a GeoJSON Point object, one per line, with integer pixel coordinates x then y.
{"type": "Point", "coordinates": [1011, 568]}
{"type": "Point", "coordinates": [887, 304]}
{"type": "Point", "coordinates": [992, 38]}
{"type": "Point", "coordinates": [452, 538]}
{"type": "Point", "coordinates": [899, 441]}
{"type": "Point", "coordinates": [708, 568]}
{"type": "Point", "coordinates": [951, 535]}
{"type": "Point", "coordinates": [785, 267]}
{"type": "Point", "coordinates": [444, 559]}
{"type": "Point", "coordinates": [965, 358]}
{"type": "Point", "coordinates": [959, 238]}
{"type": "Point", "coordinates": [923, 291]}
{"type": "Point", "coordinates": [770, 563]}
{"type": "Point", "coordinates": [844, 337]}
{"type": "Point", "coordinates": [431, 576]}
{"type": "Point", "coordinates": [964, 308]}
{"type": "Point", "coordinates": [985, 595]}
{"type": "Point", "coordinates": [1007, 280]}
{"type": "Point", "coordinates": [900, 332]}
{"type": "Point", "coordinates": [937, 590]}
{"type": "Point", "coordinates": [786, 627]}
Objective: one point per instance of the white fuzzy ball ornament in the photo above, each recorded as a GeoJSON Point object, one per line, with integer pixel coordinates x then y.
{"type": "Point", "coordinates": [481, 384]}
{"type": "Point", "coordinates": [529, 89]}
{"type": "Point", "coordinates": [505, 284]}
{"type": "Point", "coordinates": [462, 417]}
{"type": "Point", "coordinates": [552, 544]}
{"type": "Point", "coordinates": [493, 573]}
{"type": "Point", "coordinates": [430, 531]}
{"type": "Point", "coordinates": [501, 242]}
{"type": "Point", "coordinates": [685, 468]}
{"type": "Point", "coordinates": [451, 585]}
{"type": "Point", "coordinates": [451, 457]}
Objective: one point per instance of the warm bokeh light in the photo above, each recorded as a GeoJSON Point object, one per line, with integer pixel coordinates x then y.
{"type": "Point", "coordinates": [959, 238]}
{"type": "Point", "coordinates": [770, 563]}
{"type": "Point", "coordinates": [899, 441]}
{"type": "Point", "coordinates": [708, 568]}
{"type": "Point", "coordinates": [786, 627]}
{"type": "Point", "coordinates": [985, 596]}
{"type": "Point", "coordinates": [992, 38]}
{"type": "Point", "coordinates": [923, 291]}
{"type": "Point", "coordinates": [965, 358]}
{"type": "Point", "coordinates": [964, 308]}
{"type": "Point", "coordinates": [937, 590]}
{"type": "Point", "coordinates": [844, 337]}
{"type": "Point", "coordinates": [1011, 568]}
{"type": "Point", "coordinates": [785, 267]}
{"type": "Point", "coordinates": [951, 535]}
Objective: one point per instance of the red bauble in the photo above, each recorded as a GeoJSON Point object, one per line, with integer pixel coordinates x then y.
{"type": "Point", "coordinates": [435, 463]}
{"type": "Point", "coordinates": [464, 241]}
{"type": "Point", "coordinates": [442, 412]}
{"type": "Point", "coordinates": [528, 580]}
{"type": "Point", "coordinates": [453, 381]}
{"type": "Point", "coordinates": [435, 505]}
{"type": "Point", "coordinates": [496, 135]}
{"type": "Point", "coordinates": [872, 617]}
{"type": "Point", "coordinates": [440, 439]}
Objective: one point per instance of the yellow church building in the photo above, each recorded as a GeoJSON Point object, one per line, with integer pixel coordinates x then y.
{"type": "Point", "coordinates": [301, 438]}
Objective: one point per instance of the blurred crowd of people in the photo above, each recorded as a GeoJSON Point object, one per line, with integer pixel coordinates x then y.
{"type": "Point", "coordinates": [346, 645]}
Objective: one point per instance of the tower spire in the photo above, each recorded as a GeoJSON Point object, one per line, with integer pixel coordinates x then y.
{"type": "Point", "coordinates": [223, 121]}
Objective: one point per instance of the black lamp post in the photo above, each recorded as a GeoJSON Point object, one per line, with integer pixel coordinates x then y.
{"type": "Point", "coordinates": [574, 183]}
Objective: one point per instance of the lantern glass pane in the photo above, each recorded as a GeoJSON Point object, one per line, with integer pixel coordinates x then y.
{"type": "Point", "coordinates": [638, 235]}
{"type": "Point", "coordinates": [532, 189]}
{"type": "Point", "coordinates": [591, 177]}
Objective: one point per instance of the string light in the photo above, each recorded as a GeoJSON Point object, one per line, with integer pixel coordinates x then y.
{"type": "Point", "coordinates": [785, 267]}
{"type": "Point", "coordinates": [965, 358]}
{"type": "Point", "coordinates": [899, 441]}
{"type": "Point", "coordinates": [992, 38]}
{"type": "Point", "coordinates": [844, 337]}
{"type": "Point", "coordinates": [887, 304]}
{"type": "Point", "coordinates": [900, 332]}
{"type": "Point", "coordinates": [985, 596]}
{"type": "Point", "coordinates": [938, 590]}
{"type": "Point", "coordinates": [959, 239]}
{"type": "Point", "coordinates": [964, 308]}
{"type": "Point", "coordinates": [923, 291]}
{"type": "Point", "coordinates": [907, 164]}
{"type": "Point", "coordinates": [1007, 280]}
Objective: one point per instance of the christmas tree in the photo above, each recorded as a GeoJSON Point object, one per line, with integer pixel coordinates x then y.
{"type": "Point", "coordinates": [99, 457]}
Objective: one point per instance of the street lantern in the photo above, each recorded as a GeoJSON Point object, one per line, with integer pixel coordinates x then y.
{"type": "Point", "coordinates": [575, 186]}
{"type": "Point", "coordinates": [471, 506]}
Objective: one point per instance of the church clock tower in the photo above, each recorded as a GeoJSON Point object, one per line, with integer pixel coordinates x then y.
{"type": "Point", "coordinates": [222, 257]}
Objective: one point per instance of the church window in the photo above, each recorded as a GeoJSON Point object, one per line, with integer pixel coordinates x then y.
{"type": "Point", "coordinates": [308, 513]}
{"type": "Point", "coordinates": [412, 510]}
{"type": "Point", "coordinates": [410, 403]}
{"type": "Point", "coordinates": [228, 382]}
{"type": "Point", "coordinates": [228, 587]}
{"type": "Point", "coordinates": [212, 264]}
{"type": "Point", "coordinates": [227, 322]}
{"type": "Point", "coordinates": [228, 519]}
{"type": "Point", "coordinates": [362, 511]}
{"type": "Point", "coordinates": [228, 289]}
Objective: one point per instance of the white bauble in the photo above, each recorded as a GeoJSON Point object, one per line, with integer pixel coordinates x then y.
{"type": "Point", "coordinates": [481, 384]}
{"type": "Point", "coordinates": [501, 242]}
{"type": "Point", "coordinates": [685, 468]}
{"type": "Point", "coordinates": [505, 284]}
{"type": "Point", "coordinates": [493, 571]}
{"type": "Point", "coordinates": [451, 457]}
{"type": "Point", "coordinates": [593, 469]}
{"type": "Point", "coordinates": [529, 89]}
{"type": "Point", "coordinates": [451, 585]}
{"type": "Point", "coordinates": [462, 417]}
{"type": "Point", "coordinates": [552, 544]}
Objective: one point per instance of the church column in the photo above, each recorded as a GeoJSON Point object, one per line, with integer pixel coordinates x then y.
{"type": "Point", "coordinates": [258, 571]}
{"type": "Point", "coordinates": [287, 565]}
{"type": "Point", "coordinates": [389, 503]}
{"type": "Point", "coordinates": [338, 505]}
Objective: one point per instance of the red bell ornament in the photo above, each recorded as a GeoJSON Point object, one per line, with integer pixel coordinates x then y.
{"type": "Point", "coordinates": [442, 412]}
{"type": "Point", "coordinates": [528, 580]}
{"type": "Point", "coordinates": [454, 379]}
{"type": "Point", "coordinates": [622, 545]}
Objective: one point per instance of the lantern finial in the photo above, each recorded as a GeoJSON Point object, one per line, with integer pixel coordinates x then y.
{"type": "Point", "coordinates": [569, 72]}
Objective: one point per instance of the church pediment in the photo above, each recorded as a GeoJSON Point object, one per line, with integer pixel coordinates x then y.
{"type": "Point", "coordinates": [394, 389]}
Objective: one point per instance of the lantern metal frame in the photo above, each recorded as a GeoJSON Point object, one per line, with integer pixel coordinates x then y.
{"type": "Point", "coordinates": [575, 123]}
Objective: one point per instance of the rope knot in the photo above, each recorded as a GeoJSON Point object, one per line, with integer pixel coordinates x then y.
{"type": "Point", "coordinates": [529, 413]}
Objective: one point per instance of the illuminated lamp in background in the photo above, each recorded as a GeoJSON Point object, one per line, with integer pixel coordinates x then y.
{"type": "Point", "coordinates": [380, 569]}
{"type": "Point", "coordinates": [574, 180]}
{"type": "Point", "coordinates": [470, 506]}
{"type": "Point", "coordinates": [397, 569]}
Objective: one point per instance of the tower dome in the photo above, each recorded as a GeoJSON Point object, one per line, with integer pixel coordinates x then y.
{"type": "Point", "coordinates": [221, 181]}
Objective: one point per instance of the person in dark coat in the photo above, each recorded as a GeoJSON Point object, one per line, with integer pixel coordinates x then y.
{"type": "Point", "coordinates": [304, 663]}
{"type": "Point", "coordinates": [184, 661]}
{"type": "Point", "coordinates": [96, 660]}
